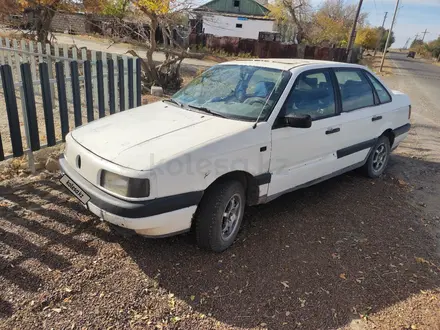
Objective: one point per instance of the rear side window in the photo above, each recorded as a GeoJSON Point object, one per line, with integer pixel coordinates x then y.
{"type": "Point", "coordinates": [312, 94]}
{"type": "Point", "coordinates": [356, 91]}
{"type": "Point", "coordinates": [384, 97]}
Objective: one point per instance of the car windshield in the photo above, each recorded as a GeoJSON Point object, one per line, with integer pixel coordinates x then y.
{"type": "Point", "coordinates": [235, 91]}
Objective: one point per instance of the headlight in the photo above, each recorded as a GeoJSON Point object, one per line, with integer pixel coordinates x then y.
{"type": "Point", "coordinates": [127, 187]}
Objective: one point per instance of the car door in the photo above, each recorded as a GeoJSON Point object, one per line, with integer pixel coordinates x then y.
{"type": "Point", "coordinates": [360, 111]}
{"type": "Point", "coordinates": [302, 155]}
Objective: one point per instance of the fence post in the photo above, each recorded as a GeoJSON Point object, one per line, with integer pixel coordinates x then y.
{"type": "Point", "coordinates": [94, 78]}
{"type": "Point", "coordinates": [8, 45]}
{"type": "Point", "coordinates": [100, 80]}
{"type": "Point", "coordinates": [31, 111]}
{"type": "Point", "coordinates": [40, 52]}
{"type": "Point", "coordinates": [67, 72]}
{"type": "Point", "coordinates": [121, 84]}
{"type": "Point", "coordinates": [76, 93]}
{"type": "Point", "coordinates": [105, 74]}
{"type": "Point", "coordinates": [12, 110]}
{"type": "Point", "coordinates": [32, 59]}
{"type": "Point", "coordinates": [23, 109]}
{"type": "Point", "coordinates": [61, 86]}
{"type": "Point", "coordinates": [2, 54]}
{"type": "Point", "coordinates": [23, 48]}
{"type": "Point", "coordinates": [125, 73]}
{"type": "Point", "coordinates": [2, 154]}
{"type": "Point", "coordinates": [115, 63]}
{"type": "Point", "coordinates": [135, 74]}
{"type": "Point", "coordinates": [130, 83]}
{"type": "Point", "coordinates": [50, 71]}
{"type": "Point", "coordinates": [88, 90]}
{"type": "Point", "coordinates": [47, 103]}
{"type": "Point", "coordinates": [111, 85]}
{"type": "Point", "coordinates": [138, 82]}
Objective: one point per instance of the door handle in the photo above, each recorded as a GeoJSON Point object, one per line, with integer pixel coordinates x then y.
{"type": "Point", "coordinates": [332, 130]}
{"type": "Point", "coordinates": [376, 118]}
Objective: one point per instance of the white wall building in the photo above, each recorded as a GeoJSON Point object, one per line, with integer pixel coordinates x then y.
{"type": "Point", "coordinates": [234, 18]}
{"type": "Point", "coordinates": [230, 26]}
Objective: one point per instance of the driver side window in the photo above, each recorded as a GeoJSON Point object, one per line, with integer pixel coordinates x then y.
{"type": "Point", "coordinates": [312, 94]}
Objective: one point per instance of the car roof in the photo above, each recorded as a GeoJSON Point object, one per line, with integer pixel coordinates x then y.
{"type": "Point", "coordinates": [289, 63]}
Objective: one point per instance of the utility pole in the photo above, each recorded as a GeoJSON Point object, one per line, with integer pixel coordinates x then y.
{"type": "Point", "coordinates": [406, 43]}
{"type": "Point", "coordinates": [389, 36]}
{"type": "Point", "coordinates": [424, 34]}
{"type": "Point", "coordinates": [353, 31]}
{"type": "Point", "coordinates": [381, 34]}
{"type": "Point", "coordinates": [414, 41]}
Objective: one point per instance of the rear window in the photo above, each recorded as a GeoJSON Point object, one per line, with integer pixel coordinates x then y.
{"type": "Point", "coordinates": [356, 91]}
{"type": "Point", "coordinates": [384, 96]}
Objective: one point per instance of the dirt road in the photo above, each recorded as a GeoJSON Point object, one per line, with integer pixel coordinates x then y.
{"type": "Point", "coordinates": [349, 252]}
{"type": "Point", "coordinates": [421, 161]}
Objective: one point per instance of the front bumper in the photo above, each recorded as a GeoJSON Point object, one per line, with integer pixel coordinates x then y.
{"type": "Point", "coordinates": [154, 218]}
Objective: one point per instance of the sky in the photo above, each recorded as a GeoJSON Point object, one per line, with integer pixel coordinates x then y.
{"type": "Point", "coordinates": [414, 16]}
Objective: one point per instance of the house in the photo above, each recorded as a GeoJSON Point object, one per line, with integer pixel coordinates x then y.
{"type": "Point", "coordinates": [234, 18]}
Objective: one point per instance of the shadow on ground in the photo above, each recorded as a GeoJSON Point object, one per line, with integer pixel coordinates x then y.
{"type": "Point", "coordinates": [316, 258]}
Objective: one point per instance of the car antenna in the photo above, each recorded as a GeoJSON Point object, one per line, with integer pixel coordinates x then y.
{"type": "Point", "coordinates": [267, 100]}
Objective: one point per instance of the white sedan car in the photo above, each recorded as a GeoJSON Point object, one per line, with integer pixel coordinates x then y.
{"type": "Point", "coordinates": [242, 133]}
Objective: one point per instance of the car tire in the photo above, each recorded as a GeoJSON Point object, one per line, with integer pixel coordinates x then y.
{"type": "Point", "coordinates": [219, 216]}
{"type": "Point", "coordinates": [378, 159]}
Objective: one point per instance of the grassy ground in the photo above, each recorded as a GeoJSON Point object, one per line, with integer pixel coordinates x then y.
{"type": "Point", "coordinates": [374, 64]}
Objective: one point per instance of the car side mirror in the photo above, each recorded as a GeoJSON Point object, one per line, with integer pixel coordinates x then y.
{"type": "Point", "coordinates": [298, 121]}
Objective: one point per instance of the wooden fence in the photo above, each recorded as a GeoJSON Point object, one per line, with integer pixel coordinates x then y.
{"type": "Point", "coordinates": [52, 85]}
{"type": "Point", "coordinates": [268, 49]}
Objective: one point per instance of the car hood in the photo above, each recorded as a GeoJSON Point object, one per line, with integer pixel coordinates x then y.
{"type": "Point", "coordinates": [146, 136]}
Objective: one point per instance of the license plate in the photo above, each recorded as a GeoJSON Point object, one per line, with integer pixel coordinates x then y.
{"type": "Point", "coordinates": [74, 189]}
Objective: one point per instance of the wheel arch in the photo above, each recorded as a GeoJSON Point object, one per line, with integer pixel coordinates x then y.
{"type": "Point", "coordinates": [249, 182]}
{"type": "Point", "coordinates": [389, 133]}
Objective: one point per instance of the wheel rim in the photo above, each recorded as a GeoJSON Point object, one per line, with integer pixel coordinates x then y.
{"type": "Point", "coordinates": [231, 216]}
{"type": "Point", "coordinates": [380, 158]}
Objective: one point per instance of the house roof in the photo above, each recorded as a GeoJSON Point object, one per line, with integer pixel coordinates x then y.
{"type": "Point", "coordinates": [245, 7]}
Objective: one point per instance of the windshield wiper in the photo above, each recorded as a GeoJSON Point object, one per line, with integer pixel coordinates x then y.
{"type": "Point", "coordinates": [206, 110]}
{"type": "Point", "coordinates": [173, 101]}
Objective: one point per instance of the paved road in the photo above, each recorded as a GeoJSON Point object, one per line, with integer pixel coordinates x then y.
{"type": "Point", "coordinates": [417, 160]}
{"type": "Point", "coordinates": [421, 81]}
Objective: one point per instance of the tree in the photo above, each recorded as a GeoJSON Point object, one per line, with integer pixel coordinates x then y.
{"type": "Point", "coordinates": [332, 22]}
{"type": "Point", "coordinates": [367, 37]}
{"type": "Point", "coordinates": [434, 47]}
{"type": "Point", "coordinates": [292, 16]}
{"type": "Point", "coordinates": [416, 43]}
{"type": "Point", "coordinates": [383, 40]}
{"type": "Point", "coordinates": [328, 29]}
{"type": "Point", "coordinates": [159, 16]}
{"type": "Point", "coordinates": [38, 13]}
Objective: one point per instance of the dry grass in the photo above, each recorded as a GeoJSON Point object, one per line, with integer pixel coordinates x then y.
{"type": "Point", "coordinates": [374, 64]}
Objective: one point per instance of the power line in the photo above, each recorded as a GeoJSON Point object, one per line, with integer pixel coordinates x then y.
{"type": "Point", "coordinates": [375, 7]}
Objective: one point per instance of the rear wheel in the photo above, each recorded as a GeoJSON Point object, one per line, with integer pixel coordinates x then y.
{"type": "Point", "coordinates": [219, 216]}
{"type": "Point", "coordinates": [378, 159]}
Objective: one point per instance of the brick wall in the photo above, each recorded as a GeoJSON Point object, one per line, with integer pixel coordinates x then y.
{"type": "Point", "coordinates": [71, 22]}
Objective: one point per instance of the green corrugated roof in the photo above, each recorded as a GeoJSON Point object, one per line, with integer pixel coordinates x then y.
{"type": "Point", "coordinates": [246, 7]}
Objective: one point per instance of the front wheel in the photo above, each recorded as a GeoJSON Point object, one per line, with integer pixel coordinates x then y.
{"type": "Point", "coordinates": [219, 216]}
{"type": "Point", "coordinates": [378, 159]}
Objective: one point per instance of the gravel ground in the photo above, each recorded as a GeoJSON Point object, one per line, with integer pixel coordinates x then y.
{"type": "Point", "coordinates": [349, 253]}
